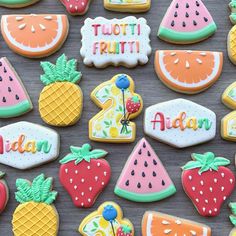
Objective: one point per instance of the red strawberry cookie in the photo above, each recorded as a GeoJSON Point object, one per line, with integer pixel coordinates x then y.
{"type": "Point", "coordinates": [76, 7]}
{"type": "Point", "coordinates": [4, 192]}
{"type": "Point", "coordinates": [207, 182]}
{"type": "Point", "coordinates": [84, 175]}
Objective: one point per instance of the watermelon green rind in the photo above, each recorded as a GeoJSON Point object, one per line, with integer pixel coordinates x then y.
{"type": "Point", "coordinates": [186, 37]}
{"type": "Point", "coordinates": [150, 197]}
{"type": "Point", "coordinates": [16, 110]}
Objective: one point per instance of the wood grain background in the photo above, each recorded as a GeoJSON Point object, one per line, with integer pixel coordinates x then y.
{"type": "Point", "coordinates": [152, 91]}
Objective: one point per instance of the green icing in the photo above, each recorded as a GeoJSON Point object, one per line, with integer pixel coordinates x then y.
{"type": "Point", "coordinates": [204, 122]}
{"type": "Point", "coordinates": [79, 154]}
{"type": "Point", "coordinates": [142, 197]}
{"type": "Point", "coordinates": [16, 2]}
{"type": "Point", "coordinates": [43, 145]}
{"type": "Point", "coordinates": [39, 191]}
{"type": "Point", "coordinates": [63, 71]}
{"type": "Point", "coordinates": [182, 37]}
{"type": "Point", "coordinates": [233, 216]}
{"type": "Point", "coordinates": [206, 162]}
{"type": "Point", "coordinates": [15, 110]}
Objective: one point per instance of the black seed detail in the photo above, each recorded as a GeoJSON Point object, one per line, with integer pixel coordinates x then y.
{"type": "Point", "coordinates": [149, 154]}
{"type": "Point", "coordinates": [5, 70]}
{"type": "Point", "coordinates": [197, 4]}
{"type": "Point", "coordinates": [154, 174]}
{"type": "Point", "coordinates": [144, 145]}
{"type": "Point", "coordinates": [135, 162]}
{"type": "Point", "coordinates": [127, 183]}
{"type": "Point", "coordinates": [4, 99]}
{"type": "Point", "coordinates": [177, 5]}
{"type": "Point", "coordinates": [184, 24]}
{"type": "Point", "coordinates": [132, 172]}
{"type": "Point", "coordinates": [154, 162]}
{"type": "Point", "coordinates": [205, 19]}
{"type": "Point", "coordinates": [194, 23]}
{"type": "Point", "coordinates": [150, 185]}
{"type": "Point", "coordinates": [176, 14]}
{"type": "Point", "coordinates": [17, 97]}
{"type": "Point", "coordinates": [140, 152]}
{"type": "Point", "coordinates": [10, 78]}
{"type": "Point", "coordinates": [0, 63]}
{"type": "Point", "coordinates": [143, 174]}
{"type": "Point", "coordinates": [187, 5]}
{"type": "Point", "coordinates": [139, 185]}
{"type": "Point", "coordinates": [9, 89]}
{"type": "Point", "coordinates": [163, 183]}
{"type": "Point", "coordinates": [172, 23]}
{"type": "Point", "coordinates": [145, 164]}
{"type": "Point", "coordinates": [197, 13]}
{"type": "Point", "coordinates": [187, 15]}
{"type": "Point", "coordinates": [0, 78]}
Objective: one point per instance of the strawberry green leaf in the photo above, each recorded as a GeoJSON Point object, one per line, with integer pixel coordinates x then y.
{"type": "Point", "coordinates": [232, 206]}
{"type": "Point", "coordinates": [75, 150]}
{"type": "Point", "coordinates": [233, 219]}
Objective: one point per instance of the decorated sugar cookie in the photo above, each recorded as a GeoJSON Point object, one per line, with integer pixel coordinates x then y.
{"type": "Point", "coordinates": [144, 178]}
{"type": "Point", "coordinates": [4, 192]}
{"type": "Point", "coordinates": [228, 127]}
{"type": "Point", "coordinates": [120, 104]}
{"type": "Point", "coordinates": [229, 96]}
{"type": "Point", "coordinates": [17, 3]}
{"type": "Point", "coordinates": [180, 123]}
{"type": "Point", "coordinates": [34, 36]}
{"type": "Point", "coordinates": [15, 100]}
{"type": "Point", "coordinates": [232, 6]}
{"type": "Point", "coordinates": [107, 220]}
{"type": "Point", "coordinates": [207, 182]}
{"type": "Point", "coordinates": [186, 22]}
{"type": "Point", "coordinates": [76, 7]}
{"type": "Point", "coordinates": [155, 223]}
{"type": "Point", "coordinates": [84, 174]}
{"type": "Point", "coordinates": [115, 42]}
{"type": "Point", "coordinates": [61, 101]}
{"type": "Point", "coordinates": [36, 215]}
{"type": "Point", "coordinates": [127, 5]}
{"type": "Point", "coordinates": [24, 145]}
{"type": "Point", "coordinates": [231, 42]}
{"type": "Point", "coordinates": [232, 218]}
{"type": "Point", "coordinates": [188, 71]}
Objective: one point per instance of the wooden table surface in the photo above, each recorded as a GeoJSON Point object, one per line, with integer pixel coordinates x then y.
{"type": "Point", "coordinates": [152, 91]}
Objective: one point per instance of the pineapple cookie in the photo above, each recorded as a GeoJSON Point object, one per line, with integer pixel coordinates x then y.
{"type": "Point", "coordinates": [61, 100]}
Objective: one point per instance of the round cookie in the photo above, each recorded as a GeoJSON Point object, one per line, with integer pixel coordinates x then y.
{"type": "Point", "coordinates": [34, 36]}
{"type": "Point", "coordinates": [17, 3]}
{"type": "Point", "coordinates": [76, 7]}
{"type": "Point", "coordinates": [207, 182]}
{"type": "Point", "coordinates": [4, 192]}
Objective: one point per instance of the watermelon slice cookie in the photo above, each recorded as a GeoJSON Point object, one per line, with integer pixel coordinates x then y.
{"type": "Point", "coordinates": [144, 178]}
{"type": "Point", "coordinates": [14, 100]}
{"type": "Point", "coordinates": [76, 7]}
{"type": "Point", "coordinates": [186, 22]}
{"type": "Point", "coordinates": [187, 71]}
{"type": "Point", "coordinates": [17, 3]}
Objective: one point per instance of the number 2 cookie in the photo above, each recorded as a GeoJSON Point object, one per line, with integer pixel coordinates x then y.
{"type": "Point", "coordinates": [76, 7]}
{"type": "Point", "coordinates": [17, 3]}
{"type": "Point", "coordinates": [120, 104]}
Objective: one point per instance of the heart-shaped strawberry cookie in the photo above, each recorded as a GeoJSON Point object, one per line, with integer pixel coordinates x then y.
{"type": "Point", "coordinates": [76, 7]}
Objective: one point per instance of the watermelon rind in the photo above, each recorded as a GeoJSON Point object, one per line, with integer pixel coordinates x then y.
{"type": "Point", "coordinates": [176, 37]}
{"type": "Point", "coordinates": [16, 110]}
{"type": "Point", "coordinates": [149, 197]}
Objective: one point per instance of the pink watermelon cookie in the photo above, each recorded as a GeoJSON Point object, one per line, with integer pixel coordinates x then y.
{"type": "Point", "coordinates": [186, 22]}
{"type": "Point", "coordinates": [14, 100]}
{"type": "Point", "coordinates": [144, 178]}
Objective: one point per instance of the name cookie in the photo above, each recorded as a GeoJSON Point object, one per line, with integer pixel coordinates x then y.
{"type": "Point", "coordinates": [115, 42]}
{"type": "Point", "coordinates": [187, 71]}
{"type": "Point", "coordinates": [107, 220]}
{"type": "Point", "coordinates": [186, 22]}
{"type": "Point", "coordinates": [17, 3]}
{"type": "Point", "coordinates": [119, 104]}
{"type": "Point", "coordinates": [14, 100]}
{"type": "Point", "coordinates": [24, 145]}
{"type": "Point", "coordinates": [4, 192]}
{"type": "Point", "coordinates": [76, 7]}
{"type": "Point", "coordinates": [84, 174]}
{"type": "Point", "coordinates": [180, 123]}
{"type": "Point", "coordinates": [144, 178]}
{"type": "Point", "coordinates": [155, 223]}
{"type": "Point", "coordinates": [34, 36]}
{"type": "Point", "coordinates": [207, 182]}
{"type": "Point", "coordinates": [127, 5]}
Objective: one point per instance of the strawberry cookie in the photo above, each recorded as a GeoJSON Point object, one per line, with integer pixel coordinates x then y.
{"type": "Point", "coordinates": [4, 192]}
{"type": "Point", "coordinates": [76, 7]}
{"type": "Point", "coordinates": [144, 178]}
{"type": "Point", "coordinates": [84, 174]}
{"type": "Point", "coordinates": [107, 220]}
{"type": "Point", "coordinates": [17, 3]}
{"type": "Point", "coordinates": [207, 182]}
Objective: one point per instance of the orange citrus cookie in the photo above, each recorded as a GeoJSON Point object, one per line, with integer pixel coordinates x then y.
{"type": "Point", "coordinates": [188, 71]}
{"type": "Point", "coordinates": [34, 36]}
{"type": "Point", "coordinates": [155, 223]}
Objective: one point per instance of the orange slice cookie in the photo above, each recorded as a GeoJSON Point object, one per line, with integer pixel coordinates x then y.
{"type": "Point", "coordinates": [34, 36]}
{"type": "Point", "coordinates": [188, 71]}
{"type": "Point", "coordinates": [162, 225]}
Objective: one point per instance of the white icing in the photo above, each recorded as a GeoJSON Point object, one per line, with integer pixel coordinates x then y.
{"type": "Point", "coordinates": [149, 225]}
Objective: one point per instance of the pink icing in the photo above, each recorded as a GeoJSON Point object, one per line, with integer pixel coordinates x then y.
{"type": "Point", "coordinates": [187, 12]}
{"type": "Point", "coordinates": [10, 86]}
{"type": "Point", "coordinates": [154, 171]}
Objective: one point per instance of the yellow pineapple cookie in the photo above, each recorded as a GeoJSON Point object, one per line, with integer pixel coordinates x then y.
{"type": "Point", "coordinates": [132, 6]}
{"type": "Point", "coordinates": [119, 105]}
{"type": "Point", "coordinates": [233, 218]}
{"type": "Point", "coordinates": [107, 220]}
{"type": "Point", "coordinates": [229, 96]}
{"type": "Point", "coordinates": [35, 215]}
{"type": "Point", "coordinates": [232, 33]}
{"type": "Point", "coordinates": [61, 100]}
{"type": "Point", "coordinates": [228, 127]}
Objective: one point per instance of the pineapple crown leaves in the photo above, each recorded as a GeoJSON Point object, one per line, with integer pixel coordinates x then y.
{"type": "Point", "coordinates": [63, 71]}
{"type": "Point", "coordinates": [2, 174]}
{"type": "Point", "coordinates": [232, 217]}
{"type": "Point", "coordinates": [79, 154]}
{"type": "Point", "coordinates": [38, 191]}
{"type": "Point", "coordinates": [206, 162]}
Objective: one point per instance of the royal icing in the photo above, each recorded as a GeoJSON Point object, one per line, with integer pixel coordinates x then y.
{"type": "Point", "coordinates": [24, 145]}
{"type": "Point", "coordinates": [107, 220]}
{"type": "Point", "coordinates": [17, 3]}
{"type": "Point", "coordinates": [84, 174]}
{"type": "Point", "coordinates": [76, 7]}
{"type": "Point", "coordinates": [229, 96]}
{"type": "Point", "coordinates": [4, 192]}
{"type": "Point", "coordinates": [232, 218]}
{"type": "Point", "coordinates": [186, 22]}
{"type": "Point", "coordinates": [119, 104]}
{"type": "Point", "coordinates": [228, 127]}
{"type": "Point", "coordinates": [232, 6]}
{"type": "Point", "coordinates": [115, 42]}
{"type": "Point", "coordinates": [34, 35]}
{"type": "Point", "coordinates": [207, 182]}
{"type": "Point", "coordinates": [144, 178]}
{"type": "Point", "coordinates": [155, 223]}
{"type": "Point", "coordinates": [180, 123]}
{"type": "Point", "coordinates": [188, 71]}
{"type": "Point", "coordinates": [14, 100]}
